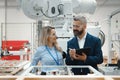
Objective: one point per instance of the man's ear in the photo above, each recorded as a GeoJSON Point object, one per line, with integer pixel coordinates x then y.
{"type": "Point", "coordinates": [85, 26]}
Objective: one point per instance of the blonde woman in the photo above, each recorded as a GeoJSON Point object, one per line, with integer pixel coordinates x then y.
{"type": "Point", "coordinates": [48, 53]}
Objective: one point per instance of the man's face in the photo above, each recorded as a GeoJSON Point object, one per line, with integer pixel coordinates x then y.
{"type": "Point", "coordinates": [78, 28]}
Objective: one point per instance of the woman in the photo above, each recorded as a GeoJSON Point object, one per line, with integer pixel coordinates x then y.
{"type": "Point", "coordinates": [48, 53]}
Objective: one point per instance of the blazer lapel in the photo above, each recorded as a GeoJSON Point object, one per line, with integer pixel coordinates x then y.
{"type": "Point", "coordinates": [87, 40]}
{"type": "Point", "coordinates": [76, 43]}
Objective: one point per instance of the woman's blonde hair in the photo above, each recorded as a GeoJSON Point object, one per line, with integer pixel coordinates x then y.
{"type": "Point", "coordinates": [44, 34]}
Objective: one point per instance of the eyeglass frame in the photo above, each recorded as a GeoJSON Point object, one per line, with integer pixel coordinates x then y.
{"type": "Point", "coordinates": [77, 25]}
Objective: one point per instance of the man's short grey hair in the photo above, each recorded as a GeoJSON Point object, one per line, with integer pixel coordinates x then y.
{"type": "Point", "coordinates": [80, 18]}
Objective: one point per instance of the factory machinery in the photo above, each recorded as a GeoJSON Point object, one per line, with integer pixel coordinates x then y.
{"type": "Point", "coordinates": [59, 13]}
{"type": "Point", "coordinates": [112, 69]}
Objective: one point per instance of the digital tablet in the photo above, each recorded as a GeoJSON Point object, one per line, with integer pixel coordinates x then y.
{"type": "Point", "coordinates": [83, 50]}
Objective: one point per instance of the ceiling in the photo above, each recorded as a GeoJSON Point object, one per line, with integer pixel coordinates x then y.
{"type": "Point", "coordinates": [101, 3]}
{"type": "Point", "coordinates": [108, 2]}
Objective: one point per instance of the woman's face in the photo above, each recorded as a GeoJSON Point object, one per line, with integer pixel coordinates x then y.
{"type": "Point", "coordinates": [52, 37]}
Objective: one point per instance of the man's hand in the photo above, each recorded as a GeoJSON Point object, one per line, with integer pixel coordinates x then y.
{"type": "Point", "coordinates": [73, 55]}
{"type": "Point", "coordinates": [81, 57]}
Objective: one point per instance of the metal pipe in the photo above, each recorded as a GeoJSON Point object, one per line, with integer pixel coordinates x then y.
{"type": "Point", "coordinates": [5, 22]}
{"type": "Point", "coordinates": [1, 30]}
{"type": "Point", "coordinates": [109, 40]}
{"type": "Point", "coordinates": [32, 41]}
{"type": "Point", "coordinates": [114, 13]}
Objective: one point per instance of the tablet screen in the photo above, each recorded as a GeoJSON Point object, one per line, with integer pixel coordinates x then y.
{"type": "Point", "coordinates": [83, 50]}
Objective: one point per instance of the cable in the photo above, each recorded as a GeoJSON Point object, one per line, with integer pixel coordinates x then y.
{"type": "Point", "coordinates": [59, 10]}
{"type": "Point", "coordinates": [47, 15]}
{"type": "Point", "coordinates": [102, 37]}
{"type": "Point", "coordinates": [47, 8]}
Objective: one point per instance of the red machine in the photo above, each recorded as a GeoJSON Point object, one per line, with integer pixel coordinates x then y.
{"type": "Point", "coordinates": [13, 45]}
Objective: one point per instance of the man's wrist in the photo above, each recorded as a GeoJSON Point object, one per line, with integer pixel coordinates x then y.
{"type": "Point", "coordinates": [71, 58]}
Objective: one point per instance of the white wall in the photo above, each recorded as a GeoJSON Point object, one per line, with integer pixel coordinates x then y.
{"type": "Point", "coordinates": [19, 26]}
{"type": "Point", "coordinates": [17, 16]}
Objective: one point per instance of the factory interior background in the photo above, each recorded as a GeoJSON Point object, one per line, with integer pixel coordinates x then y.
{"type": "Point", "coordinates": [16, 26]}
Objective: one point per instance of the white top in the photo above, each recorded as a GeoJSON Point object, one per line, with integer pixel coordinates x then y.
{"type": "Point", "coordinates": [81, 42]}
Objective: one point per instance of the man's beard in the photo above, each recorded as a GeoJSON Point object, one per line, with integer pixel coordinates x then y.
{"type": "Point", "coordinates": [77, 33]}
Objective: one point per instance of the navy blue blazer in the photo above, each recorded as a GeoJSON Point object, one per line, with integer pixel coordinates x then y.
{"type": "Point", "coordinates": [94, 57]}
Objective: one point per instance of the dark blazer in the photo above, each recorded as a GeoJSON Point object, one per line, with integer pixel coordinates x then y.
{"type": "Point", "coordinates": [93, 58]}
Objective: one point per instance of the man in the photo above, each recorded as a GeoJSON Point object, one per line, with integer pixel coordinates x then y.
{"type": "Point", "coordinates": [82, 39]}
